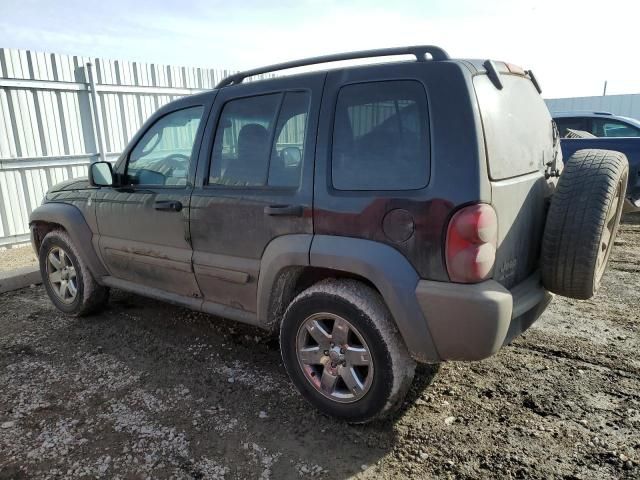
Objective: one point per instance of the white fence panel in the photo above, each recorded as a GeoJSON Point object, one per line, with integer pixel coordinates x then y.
{"type": "Point", "coordinates": [48, 130]}
{"type": "Point", "coordinates": [13, 194]}
{"type": "Point", "coordinates": [71, 117]}
{"type": "Point", "coordinates": [26, 123]}
{"type": "Point", "coordinates": [7, 140]}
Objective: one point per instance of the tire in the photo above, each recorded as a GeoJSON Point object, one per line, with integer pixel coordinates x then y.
{"type": "Point", "coordinates": [582, 222]}
{"type": "Point", "coordinates": [382, 377]}
{"type": "Point", "coordinates": [57, 252]}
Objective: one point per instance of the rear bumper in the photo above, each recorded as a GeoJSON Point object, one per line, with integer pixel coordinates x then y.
{"type": "Point", "coordinates": [472, 322]}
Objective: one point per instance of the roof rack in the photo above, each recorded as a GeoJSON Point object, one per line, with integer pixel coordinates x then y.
{"type": "Point", "coordinates": [420, 52]}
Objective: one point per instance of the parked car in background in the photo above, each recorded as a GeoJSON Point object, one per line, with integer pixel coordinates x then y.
{"type": "Point", "coordinates": [603, 130]}
{"type": "Point", "coordinates": [376, 216]}
{"type": "Point", "coordinates": [599, 124]}
{"type": "Point", "coordinates": [629, 146]}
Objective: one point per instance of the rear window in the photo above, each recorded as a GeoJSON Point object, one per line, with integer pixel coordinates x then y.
{"type": "Point", "coordinates": [517, 126]}
{"type": "Point", "coordinates": [381, 137]}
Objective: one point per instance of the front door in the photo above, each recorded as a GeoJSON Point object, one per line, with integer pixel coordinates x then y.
{"type": "Point", "coordinates": [143, 222]}
{"type": "Point", "coordinates": [255, 183]}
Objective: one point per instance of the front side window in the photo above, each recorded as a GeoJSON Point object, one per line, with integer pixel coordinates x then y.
{"type": "Point", "coordinates": [381, 137]}
{"type": "Point", "coordinates": [613, 128]}
{"type": "Point", "coordinates": [260, 141]}
{"type": "Point", "coordinates": [163, 155]}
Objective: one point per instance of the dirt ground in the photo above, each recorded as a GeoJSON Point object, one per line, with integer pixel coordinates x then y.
{"type": "Point", "coordinates": [150, 390]}
{"type": "Point", "coordinates": [12, 258]}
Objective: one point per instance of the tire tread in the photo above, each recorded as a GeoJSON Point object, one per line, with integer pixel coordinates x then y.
{"type": "Point", "coordinates": [576, 220]}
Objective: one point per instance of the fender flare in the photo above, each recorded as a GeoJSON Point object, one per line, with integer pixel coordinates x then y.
{"type": "Point", "coordinates": [71, 219]}
{"type": "Point", "coordinates": [281, 254]}
{"type": "Point", "coordinates": [385, 267]}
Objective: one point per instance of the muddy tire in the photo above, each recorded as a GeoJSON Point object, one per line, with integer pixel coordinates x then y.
{"type": "Point", "coordinates": [583, 221]}
{"type": "Point", "coordinates": [66, 278]}
{"type": "Point", "coordinates": [343, 352]}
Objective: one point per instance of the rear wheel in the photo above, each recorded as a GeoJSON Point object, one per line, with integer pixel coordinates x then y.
{"type": "Point", "coordinates": [66, 278]}
{"type": "Point", "coordinates": [583, 221]}
{"type": "Point", "coordinates": [343, 352]}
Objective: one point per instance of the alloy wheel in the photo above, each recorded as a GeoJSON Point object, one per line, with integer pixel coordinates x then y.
{"type": "Point", "coordinates": [334, 357]}
{"type": "Point", "coordinates": [61, 274]}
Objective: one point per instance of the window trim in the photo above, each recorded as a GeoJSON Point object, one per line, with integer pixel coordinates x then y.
{"type": "Point", "coordinates": [383, 192]}
{"type": "Point", "coordinates": [256, 188]}
{"type": "Point", "coordinates": [125, 174]}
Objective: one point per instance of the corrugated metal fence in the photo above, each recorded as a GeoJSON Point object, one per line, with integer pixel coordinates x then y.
{"type": "Point", "coordinates": [53, 124]}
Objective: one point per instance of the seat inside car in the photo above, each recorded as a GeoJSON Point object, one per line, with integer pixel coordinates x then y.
{"type": "Point", "coordinates": [250, 166]}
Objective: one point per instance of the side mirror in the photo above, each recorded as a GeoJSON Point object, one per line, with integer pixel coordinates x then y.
{"type": "Point", "coordinates": [100, 174]}
{"type": "Point", "coordinates": [292, 156]}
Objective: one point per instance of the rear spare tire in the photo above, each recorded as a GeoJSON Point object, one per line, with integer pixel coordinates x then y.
{"type": "Point", "coordinates": [583, 221]}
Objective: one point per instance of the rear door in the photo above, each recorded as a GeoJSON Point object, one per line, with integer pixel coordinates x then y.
{"type": "Point", "coordinates": [143, 222]}
{"type": "Point", "coordinates": [255, 182]}
{"type": "Point", "coordinates": [519, 144]}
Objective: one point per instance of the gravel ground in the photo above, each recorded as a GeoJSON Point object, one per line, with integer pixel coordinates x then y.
{"type": "Point", "coordinates": [150, 390]}
{"type": "Point", "coordinates": [12, 258]}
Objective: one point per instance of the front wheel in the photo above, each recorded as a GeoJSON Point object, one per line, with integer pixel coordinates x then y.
{"type": "Point", "coordinates": [66, 278]}
{"type": "Point", "coordinates": [343, 352]}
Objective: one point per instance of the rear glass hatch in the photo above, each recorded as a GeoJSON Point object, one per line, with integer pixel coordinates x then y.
{"type": "Point", "coordinates": [519, 142]}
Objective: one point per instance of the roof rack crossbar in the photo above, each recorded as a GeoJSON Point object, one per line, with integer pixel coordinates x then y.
{"type": "Point", "coordinates": [419, 51]}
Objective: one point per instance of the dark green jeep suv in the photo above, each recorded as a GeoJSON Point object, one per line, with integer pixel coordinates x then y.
{"type": "Point", "coordinates": [375, 215]}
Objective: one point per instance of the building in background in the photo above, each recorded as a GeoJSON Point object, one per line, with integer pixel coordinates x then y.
{"type": "Point", "coordinates": [624, 105]}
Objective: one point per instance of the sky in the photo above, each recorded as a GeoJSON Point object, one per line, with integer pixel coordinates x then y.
{"type": "Point", "coordinates": [572, 46]}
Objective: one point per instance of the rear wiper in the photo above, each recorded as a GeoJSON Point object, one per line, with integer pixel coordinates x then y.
{"type": "Point", "coordinates": [494, 74]}
{"type": "Point", "coordinates": [534, 80]}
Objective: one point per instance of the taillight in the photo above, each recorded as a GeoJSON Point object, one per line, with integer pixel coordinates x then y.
{"type": "Point", "coordinates": [470, 250]}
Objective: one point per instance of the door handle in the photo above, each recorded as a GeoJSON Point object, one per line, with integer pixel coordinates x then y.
{"type": "Point", "coordinates": [168, 206]}
{"type": "Point", "coordinates": [284, 210]}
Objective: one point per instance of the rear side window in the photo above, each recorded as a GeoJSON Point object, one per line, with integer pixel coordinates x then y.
{"type": "Point", "coordinates": [381, 137]}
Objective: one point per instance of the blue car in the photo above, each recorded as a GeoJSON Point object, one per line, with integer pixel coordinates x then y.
{"type": "Point", "coordinates": [629, 146]}
{"type": "Point", "coordinates": [607, 132]}
{"type": "Point", "coordinates": [599, 124]}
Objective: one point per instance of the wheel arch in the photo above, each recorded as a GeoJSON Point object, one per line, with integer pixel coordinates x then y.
{"type": "Point", "coordinates": [69, 218]}
{"type": "Point", "coordinates": [292, 263]}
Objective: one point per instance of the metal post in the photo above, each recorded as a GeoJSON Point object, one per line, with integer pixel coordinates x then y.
{"type": "Point", "coordinates": [96, 113]}
{"type": "Point", "coordinates": [604, 92]}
